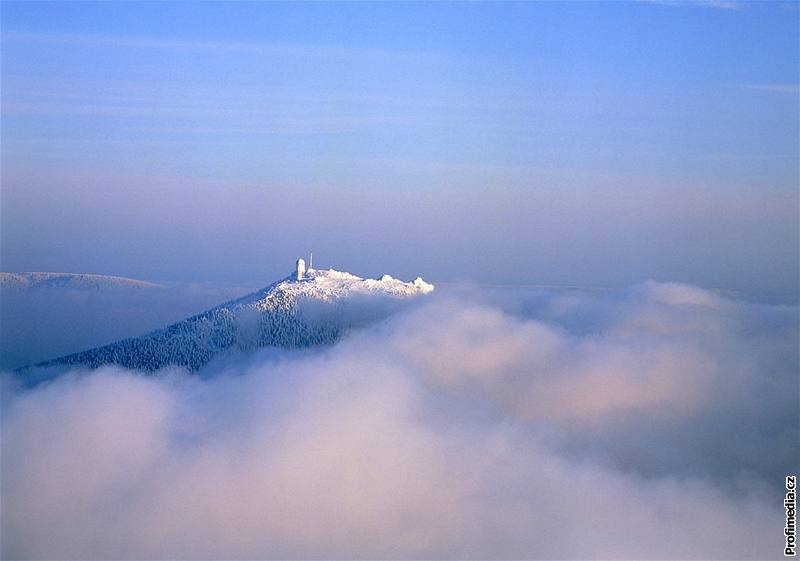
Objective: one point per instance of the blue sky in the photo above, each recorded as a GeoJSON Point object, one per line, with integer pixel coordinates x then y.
{"type": "Point", "coordinates": [571, 143]}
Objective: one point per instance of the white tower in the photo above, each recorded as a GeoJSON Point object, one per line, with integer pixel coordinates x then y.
{"type": "Point", "coordinates": [301, 269]}
{"type": "Point", "coordinates": [311, 261]}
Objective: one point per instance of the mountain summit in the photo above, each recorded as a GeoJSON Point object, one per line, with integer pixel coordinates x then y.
{"type": "Point", "coordinates": [309, 307]}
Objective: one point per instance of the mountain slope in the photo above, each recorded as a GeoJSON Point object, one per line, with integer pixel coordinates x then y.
{"type": "Point", "coordinates": [308, 308]}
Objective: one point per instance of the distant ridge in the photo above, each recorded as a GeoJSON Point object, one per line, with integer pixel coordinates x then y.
{"type": "Point", "coordinates": [76, 281]}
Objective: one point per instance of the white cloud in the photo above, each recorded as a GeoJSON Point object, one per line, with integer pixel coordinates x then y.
{"type": "Point", "coordinates": [718, 4]}
{"type": "Point", "coordinates": [611, 426]}
{"type": "Point", "coordinates": [778, 88]}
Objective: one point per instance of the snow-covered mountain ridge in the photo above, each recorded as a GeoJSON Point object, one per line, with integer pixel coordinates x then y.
{"type": "Point", "coordinates": [76, 281]}
{"type": "Point", "coordinates": [310, 307]}
{"type": "Point", "coordinates": [330, 284]}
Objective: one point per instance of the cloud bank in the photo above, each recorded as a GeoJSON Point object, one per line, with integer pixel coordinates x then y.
{"type": "Point", "coordinates": [654, 423]}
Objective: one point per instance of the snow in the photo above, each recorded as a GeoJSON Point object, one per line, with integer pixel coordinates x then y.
{"type": "Point", "coordinates": [329, 284]}
{"type": "Point", "coordinates": [70, 281]}
{"type": "Point", "coordinates": [315, 309]}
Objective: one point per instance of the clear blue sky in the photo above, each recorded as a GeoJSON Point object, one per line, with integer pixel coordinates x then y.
{"type": "Point", "coordinates": [576, 143]}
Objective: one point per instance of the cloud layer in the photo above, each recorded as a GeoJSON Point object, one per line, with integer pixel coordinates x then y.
{"type": "Point", "coordinates": [655, 423]}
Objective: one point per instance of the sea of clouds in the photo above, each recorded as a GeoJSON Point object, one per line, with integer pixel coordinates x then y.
{"type": "Point", "coordinates": [653, 422]}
